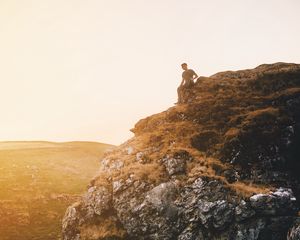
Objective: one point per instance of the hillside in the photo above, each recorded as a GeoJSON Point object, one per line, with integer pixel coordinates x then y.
{"type": "Point", "coordinates": [224, 164]}
{"type": "Point", "coordinates": [38, 181]}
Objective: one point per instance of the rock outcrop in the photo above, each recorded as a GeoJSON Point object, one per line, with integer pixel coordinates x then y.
{"type": "Point", "coordinates": [224, 164]}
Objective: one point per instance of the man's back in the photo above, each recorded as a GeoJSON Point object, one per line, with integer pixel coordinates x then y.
{"type": "Point", "coordinates": [188, 76]}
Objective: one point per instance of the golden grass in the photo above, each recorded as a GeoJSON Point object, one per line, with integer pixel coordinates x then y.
{"type": "Point", "coordinates": [38, 181]}
{"type": "Point", "coordinates": [248, 189]}
{"type": "Point", "coordinates": [150, 172]}
{"type": "Point", "coordinates": [108, 228]}
{"type": "Point", "coordinates": [231, 133]}
{"type": "Point", "coordinates": [102, 179]}
{"type": "Point", "coordinates": [270, 111]}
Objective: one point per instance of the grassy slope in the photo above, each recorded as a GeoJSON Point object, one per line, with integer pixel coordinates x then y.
{"type": "Point", "coordinates": [38, 180]}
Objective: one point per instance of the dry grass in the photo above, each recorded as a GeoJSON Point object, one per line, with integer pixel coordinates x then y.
{"type": "Point", "coordinates": [102, 179]}
{"type": "Point", "coordinates": [231, 133]}
{"type": "Point", "coordinates": [151, 172]}
{"type": "Point", "coordinates": [108, 228]}
{"type": "Point", "coordinates": [248, 189]}
{"type": "Point", "coordinates": [38, 180]}
{"type": "Point", "coordinates": [263, 113]}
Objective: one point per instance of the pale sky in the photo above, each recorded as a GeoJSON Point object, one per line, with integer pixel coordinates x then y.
{"type": "Point", "coordinates": [90, 69]}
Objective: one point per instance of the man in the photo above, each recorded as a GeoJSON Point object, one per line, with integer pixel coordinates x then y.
{"type": "Point", "coordinates": [188, 77]}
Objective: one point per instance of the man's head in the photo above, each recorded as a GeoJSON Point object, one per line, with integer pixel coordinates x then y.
{"type": "Point", "coordinates": [184, 66]}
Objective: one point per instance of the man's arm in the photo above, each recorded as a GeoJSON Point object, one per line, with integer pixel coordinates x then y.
{"type": "Point", "coordinates": [182, 81]}
{"type": "Point", "coordinates": [195, 75]}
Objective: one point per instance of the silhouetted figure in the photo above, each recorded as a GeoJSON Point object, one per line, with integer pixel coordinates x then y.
{"type": "Point", "coordinates": [188, 77]}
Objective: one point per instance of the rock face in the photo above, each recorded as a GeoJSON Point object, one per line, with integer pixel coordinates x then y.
{"type": "Point", "coordinates": [224, 164]}
{"type": "Point", "coordinates": [294, 232]}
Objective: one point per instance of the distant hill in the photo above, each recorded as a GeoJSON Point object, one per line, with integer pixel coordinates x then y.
{"type": "Point", "coordinates": [38, 180]}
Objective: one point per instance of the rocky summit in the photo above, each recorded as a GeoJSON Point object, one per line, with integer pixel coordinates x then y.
{"type": "Point", "coordinates": [223, 164]}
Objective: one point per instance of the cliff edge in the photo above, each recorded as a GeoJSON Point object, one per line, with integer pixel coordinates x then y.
{"type": "Point", "coordinates": [222, 165]}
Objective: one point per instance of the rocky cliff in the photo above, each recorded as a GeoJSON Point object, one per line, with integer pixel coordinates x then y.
{"type": "Point", "coordinates": [222, 165]}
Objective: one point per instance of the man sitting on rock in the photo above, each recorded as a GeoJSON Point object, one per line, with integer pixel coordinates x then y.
{"type": "Point", "coordinates": [188, 77]}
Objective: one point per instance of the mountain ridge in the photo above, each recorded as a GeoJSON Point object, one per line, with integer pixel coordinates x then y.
{"type": "Point", "coordinates": [220, 165]}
